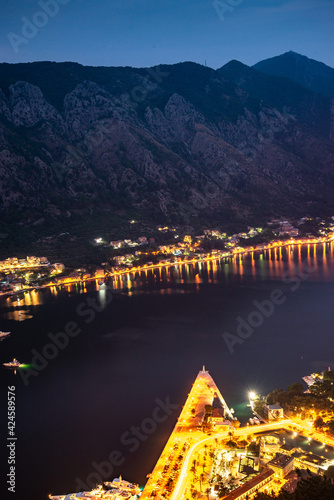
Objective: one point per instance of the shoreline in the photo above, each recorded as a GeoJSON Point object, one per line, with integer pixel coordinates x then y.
{"type": "Point", "coordinates": [219, 256]}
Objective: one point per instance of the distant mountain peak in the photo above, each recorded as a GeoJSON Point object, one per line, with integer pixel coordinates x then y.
{"type": "Point", "coordinates": [234, 63]}
{"type": "Point", "coordinates": [181, 143]}
{"type": "Point", "coordinates": [294, 53]}
{"type": "Point", "coordinates": [310, 73]}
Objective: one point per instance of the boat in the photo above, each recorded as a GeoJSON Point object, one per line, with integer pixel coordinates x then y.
{"type": "Point", "coordinates": [119, 484]}
{"type": "Point", "coordinates": [117, 489]}
{"type": "Point", "coordinates": [13, 364]}
{"type": "Point", "coordinates": [3, 335]}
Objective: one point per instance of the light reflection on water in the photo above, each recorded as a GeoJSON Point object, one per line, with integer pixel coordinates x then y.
{"type": "Point", "coordinates": [151, 346]}
{"type": "Point", "coordinates": [17, 315]}
{"type": "Point", "coordinates": [311, 261]}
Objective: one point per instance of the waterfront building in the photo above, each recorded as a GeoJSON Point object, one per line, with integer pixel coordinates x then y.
{"type": "Point", "coordinates": [247, 491]}
{"type": "Point", "coordinates": [287, 449]}
{"type": "Point", "coordinates": [281, 464]}
{"type": "Point", "coordinates": [217, 415]}
{"type": "Point", "coordinates": [273, 412]}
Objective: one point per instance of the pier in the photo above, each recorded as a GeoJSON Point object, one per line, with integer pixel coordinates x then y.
{"type": "Point", "coordinates": [185, 438]}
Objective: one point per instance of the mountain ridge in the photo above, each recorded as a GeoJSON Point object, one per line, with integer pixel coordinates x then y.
{"type": "Point", "coordinates": [174, 143]}
{"type": "Point", "coordinates": [309, 73]}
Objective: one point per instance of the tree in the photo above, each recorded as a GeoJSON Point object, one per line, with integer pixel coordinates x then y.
{"type": "Point", "coordinates": [235, 424]}
{"type": "Point", "coordinates": [330, 426]}
{"type": "Point", "coordinates": [222, 490]}
{"type": "Point", "coordinates": [208, 409]}
{"type": "Point", "coordinates": [242, 443]}
{"type": "Point", "coordinates": [330, 471]}
{"type": "Point", "coordinates": [201, 479]}
{"type": "Point", "coordinates": [278, 396]}
{"type": "Point", "coordinates": [193, 492]}
{"type": "Point", "coordinates": [322, 389]}
{"type": "Point", "coordinates": [193, 467]}
{"type": "Point", "coordinates": [318, 423]}
{"type": "Point", "coordinates": [254, 447]}
{"type": "Point", "coordinates": [297, 387]}
{"type": "Point", "coordinates": [312, 488]}
{"type": "Point", "coordinates": [259, 407]}
{"type": "Point", "coordinates": [329, 376]}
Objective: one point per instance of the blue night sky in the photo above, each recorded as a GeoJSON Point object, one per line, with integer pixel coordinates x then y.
{"type": "Point", "coordinates": [149, 32]}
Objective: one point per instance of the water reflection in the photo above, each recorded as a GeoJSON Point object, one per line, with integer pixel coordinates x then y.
{"type": "Point", "coordinates": [17, 315]}
{"type": "Point", "coordinates": [316, 261]}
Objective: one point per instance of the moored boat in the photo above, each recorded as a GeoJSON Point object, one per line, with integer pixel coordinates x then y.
{"type": "Point", "coordinates": [3, 335]}
{"type": "Point", "coordinates": [13, 364]}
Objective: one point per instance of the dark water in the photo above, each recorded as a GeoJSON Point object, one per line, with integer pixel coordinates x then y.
{"type": "Point", "coordinates": [149, 343]}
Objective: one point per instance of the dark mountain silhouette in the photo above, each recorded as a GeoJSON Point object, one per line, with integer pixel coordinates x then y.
{"type": "Point", "coordinates": [181, 143]}
{"type": "Point", "coordinates": [311, 74]}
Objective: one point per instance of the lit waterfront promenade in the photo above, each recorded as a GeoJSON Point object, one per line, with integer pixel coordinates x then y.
{"type": "Point", "coordinates": [230, 254]}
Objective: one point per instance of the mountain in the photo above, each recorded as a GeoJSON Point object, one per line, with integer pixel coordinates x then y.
{"type": "Point", "coordinates": [307, 72]}
{"type": "Point", "coordinates": [310, 109]}
{"type": "Point", "coordinates": [92, 147]}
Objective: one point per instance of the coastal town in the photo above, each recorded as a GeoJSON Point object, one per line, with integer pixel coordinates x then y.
{"type": "Point", "coordinates": [167, 250]}
{"type": "Point", "coordinates": [124, 256]}
{"type": "Point", "coordinates": [288, 440]}
{"type": "Point", "coordinates": [209, 455]}
{"type": "Point", "coordinates": [289, 437]}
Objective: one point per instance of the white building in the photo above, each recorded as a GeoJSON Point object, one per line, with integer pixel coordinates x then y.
{"type": "Point", "coordinates": [273, 412]}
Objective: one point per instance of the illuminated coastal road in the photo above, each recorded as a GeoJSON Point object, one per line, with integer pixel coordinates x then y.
{"type": "Point", "coordinates": [117, 275]}
{"type": "Point", "coordinates": [244, 431]}
{"type": "Point", "coordinates": [238, 251]}
{"type": "Point", "coordinates": [187, 433]}
{"type": "Point", "coordinates": [181, 484]}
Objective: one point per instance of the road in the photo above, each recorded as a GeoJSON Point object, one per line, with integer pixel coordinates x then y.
{"type": "Point", "coordinates": [186, 439]}
{"type": "Point", "coordinates": [243, 431]}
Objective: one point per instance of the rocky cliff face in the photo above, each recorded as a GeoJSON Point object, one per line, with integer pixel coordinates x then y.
{"type": "Point", "coordinates": [191, 143]}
